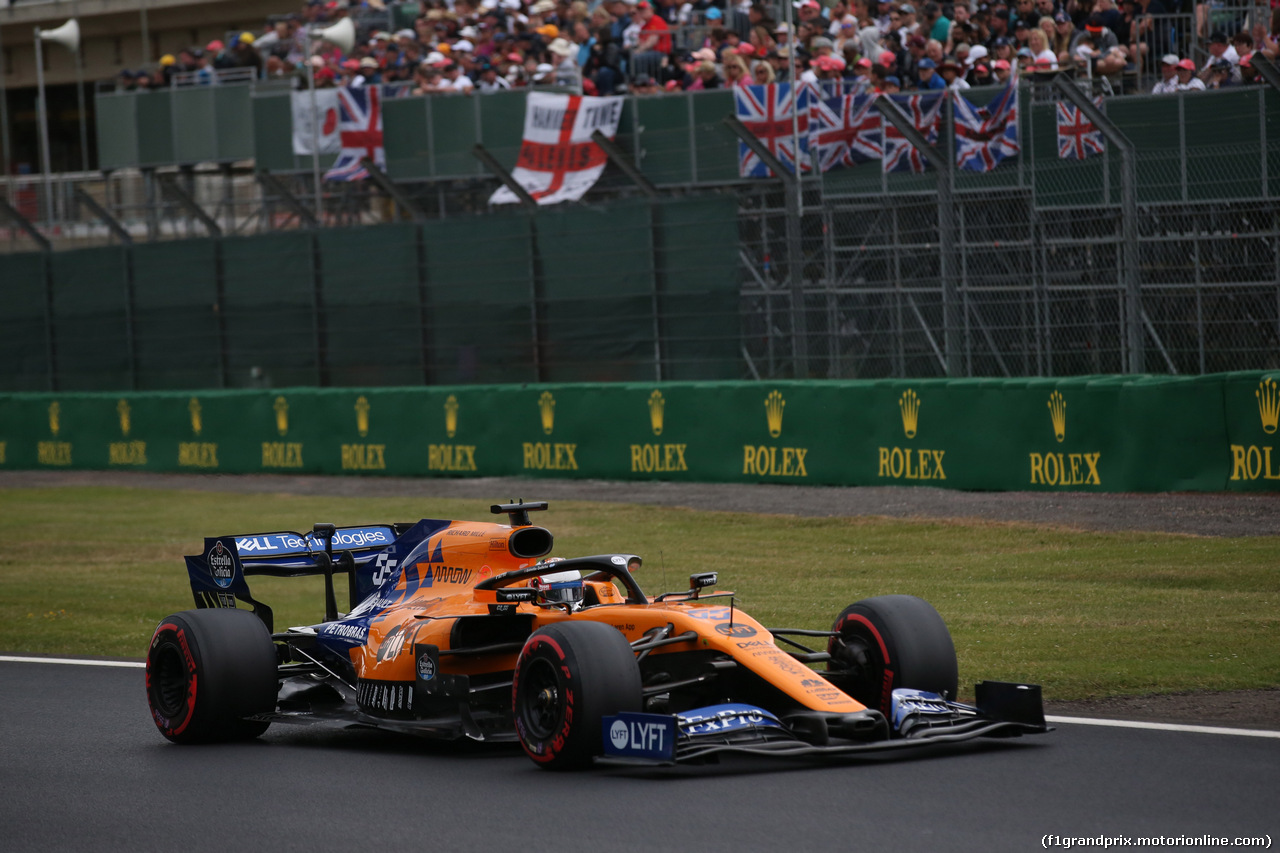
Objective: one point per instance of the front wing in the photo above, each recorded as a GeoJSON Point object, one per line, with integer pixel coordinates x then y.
{"type": "Point", "coordinates": [917, 719]}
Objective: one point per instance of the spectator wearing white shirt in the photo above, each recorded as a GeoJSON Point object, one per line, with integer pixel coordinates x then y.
{"type": "Point", "coordinates": [455, 81]}
{"type": "Point", "coordinates": [1187, 79]}
{"type": "Point", "coordinates": [1220, 48]}
{"type": "Point", "coordinates": [1168, 76]}
{"type": "Point", "coordinates": [1039, 45]}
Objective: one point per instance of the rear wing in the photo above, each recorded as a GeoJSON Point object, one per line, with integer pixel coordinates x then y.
{"type": "Point", "coordinates": [218, 573]}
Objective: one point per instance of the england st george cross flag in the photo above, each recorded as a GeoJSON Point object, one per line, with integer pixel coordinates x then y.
{"type": "Point", "coordinates": [558, 161]}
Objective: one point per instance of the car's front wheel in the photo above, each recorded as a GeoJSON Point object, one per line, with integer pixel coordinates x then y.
{"type": "Point", "coordinates": [567, 678]}
{"type": "Point", "coordinates": [206, 671]}
{"type": "Point", "coordinates": [888, 642]}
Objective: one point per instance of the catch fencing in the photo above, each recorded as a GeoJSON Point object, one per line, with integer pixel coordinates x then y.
{"type": "Point", "coordinates": [544, 297]}
{"type": "Point", "coordinates": [1040, 268]}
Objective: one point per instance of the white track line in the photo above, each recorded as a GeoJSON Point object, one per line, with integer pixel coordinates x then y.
{"type": "Point", "coordinates": [129, 664]}
{"type": "Point", "coordinates": [1165, 727]}
{"type": "Point", "coordinates": [1082, 721]}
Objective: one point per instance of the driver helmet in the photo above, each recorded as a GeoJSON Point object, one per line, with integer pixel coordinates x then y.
{"type": "Point", "coordinates": [558, 589]}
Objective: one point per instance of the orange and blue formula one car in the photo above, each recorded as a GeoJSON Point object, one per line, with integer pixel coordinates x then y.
{"type": "Point", "coordinates": [461, 629]}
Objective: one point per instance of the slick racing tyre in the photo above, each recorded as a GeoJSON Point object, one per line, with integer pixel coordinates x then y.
{"type": "Point", "coordinates": [206, 671]}
{"type": "Point", "coordinates": [567, 678]}
{"type": "Point", "coordinates": [892, 641]}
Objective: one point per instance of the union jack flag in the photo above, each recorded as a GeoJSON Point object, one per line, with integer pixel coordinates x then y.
{"type": "Point", "coordinates": [925, 113]}
{"type": "Point", "coordinates": [360, 130]}
{"type": "Point", "coordinates": [767, 112]}
{"type": "Point", "coordinates": [987, 135]}
{"type": "Point", "coordinates": [1077, 137]}
{"type": "Point", "coordinates": [845, 131]}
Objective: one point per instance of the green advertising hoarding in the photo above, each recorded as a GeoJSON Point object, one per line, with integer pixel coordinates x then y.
{"type": "Point", "coordinates": [1084, 434]}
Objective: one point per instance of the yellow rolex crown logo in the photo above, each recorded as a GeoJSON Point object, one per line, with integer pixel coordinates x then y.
{"type": "Point", "coordinates": [282, 415]}
{"type": "Point", "coordinates": [909, 403]}
{"type": "Point", "coordinates": [1268, 395]}
{"type": "Point", "coordinates": [362, 416]}
{"type": "Point", "coordinates": [122, 408]}
{"type": "Point", "coordinates": [1058, 414]}
{"type": "Point", "coordinates": [197, 420]}
{"type": "Point", "coordinates": [55, 418]}
{"type": "Point", "coordinates": [451, 416]}
{"type": "Point", "coordinates": [773, 406]}
{"type": "Point", "coordinates": [547, 407]}
{"type": "Point", "coordinates": [657, 408]}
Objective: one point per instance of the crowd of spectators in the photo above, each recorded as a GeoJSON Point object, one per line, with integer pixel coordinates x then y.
{"type": "Point", "coordinates": [610, 46]}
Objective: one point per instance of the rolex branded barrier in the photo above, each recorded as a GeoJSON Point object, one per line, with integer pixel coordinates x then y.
{"type": "Point", "coordinates": [1091, 434]}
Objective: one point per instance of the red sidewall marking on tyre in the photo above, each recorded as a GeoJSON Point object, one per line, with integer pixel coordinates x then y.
{"type": "Point", "coordinates": [192, 682]}
{"type": "Point", "coordinates": [886, 685]}
{"type": "Point", "coordinates": [862, 620]}
{"type": "Point", "coordinates": [552, 747]}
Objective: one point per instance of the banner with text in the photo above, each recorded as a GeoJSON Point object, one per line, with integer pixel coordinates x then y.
{"type": "Point", "coordinates": [558, 161]}
{"type": "Point", "coordinates": [1107, 433]}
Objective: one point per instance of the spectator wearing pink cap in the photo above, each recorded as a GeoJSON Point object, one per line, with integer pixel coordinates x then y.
{"type": "Point", "coordinates": [809, 11]}
{"type": "Point", "coordinates": [862, 70]}
{"type": "Point", "coordinates": [1187, 79]}
{"type": "Point", "coordinates": [705, 77]}
{"type": "Point", "coordinates": [1001, 72]}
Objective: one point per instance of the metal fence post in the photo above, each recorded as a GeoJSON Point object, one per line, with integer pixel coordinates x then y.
{"type": "Point", "coordinates": [425, 340]}
{"type": "Point", "coordinates": [319, 316]}
{"type": "Point", "coordinates": [941, 160]}
{"type": "Point", "coordinates": [220, 314]}
{"type": "Point", "coordinates": [1135, 361]}
{"type": "Point", "coordinates": [791, 189]}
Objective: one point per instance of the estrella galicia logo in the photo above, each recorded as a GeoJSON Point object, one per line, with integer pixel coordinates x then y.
{"type": "Point", "coordinates": [221, 564]}
{"type": "Point", "coordinates": [730, 630]}
{"type": "Point", "coordinates": [426, 668]}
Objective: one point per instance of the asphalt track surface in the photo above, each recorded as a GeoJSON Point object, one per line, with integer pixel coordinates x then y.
{"type": "Point", "coordinates": [83, 768]}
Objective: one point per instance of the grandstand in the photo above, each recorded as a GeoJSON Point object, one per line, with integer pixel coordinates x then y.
{"type": "Point", "coordinates": [1161, 254]}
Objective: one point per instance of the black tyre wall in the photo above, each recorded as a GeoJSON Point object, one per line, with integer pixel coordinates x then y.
{"type": "Point", "coordinates": [206, 671]}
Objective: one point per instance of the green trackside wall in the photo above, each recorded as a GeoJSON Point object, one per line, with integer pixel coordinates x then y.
{"type": "Point", "coordinates": [1215, 432]}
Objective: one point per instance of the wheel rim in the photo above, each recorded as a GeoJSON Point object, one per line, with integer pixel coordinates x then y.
{"type": "Point", "coordinates": [168, 680]}
{"type": "Point", "coordinates": [542, 707]}
{"type": "Point", "coordinates": [861, 660]}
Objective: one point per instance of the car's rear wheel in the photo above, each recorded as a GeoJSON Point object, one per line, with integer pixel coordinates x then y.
{"type": "Point", "coordinates": [568, 677]}
{"type": "Point", "coordinates": [206, 671]}
{"type": "Point", "coordinates": [888, 642]}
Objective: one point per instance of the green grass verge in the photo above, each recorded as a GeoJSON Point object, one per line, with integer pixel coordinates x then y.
{"type": "Point", "coordinates": [92, 570]}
